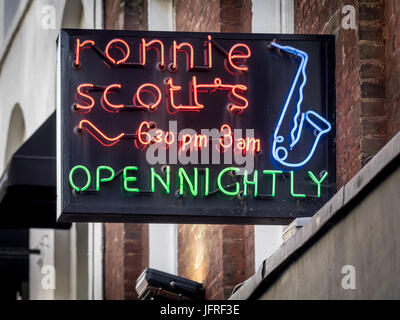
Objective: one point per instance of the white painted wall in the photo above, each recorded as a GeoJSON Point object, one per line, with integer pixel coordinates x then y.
{"type": "Point", "coordinates": [96, 244]}
{"type": "Point", "coordinates": [16, 132]}
{"type": "Point", "coordinates": [161, 15]}
{"type": "Point", "coordinates": [42, 239]}
{"type": "Point", "coordinates": [1, 24]}
{"type": "Point", "coordinates": [163, 238]}
{"type": "Point", "coordinates": [272, 16]}
{"type": "Point", "coordinates": [27, 78]}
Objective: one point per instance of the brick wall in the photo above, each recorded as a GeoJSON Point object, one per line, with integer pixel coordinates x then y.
{"type": "Point", "coordinates": [198, 15]}
{"type": "Point", "coordinates": [361, 113]}
{"type": "Point", "coordinates": [200, 256]}
{"type": "Point", "coordinates": [392, 49]}
{"type": "Point", "coordinates": [218, 256]}
{"type": "Point", "coordinates": [135, 17]}
{"type": "Point", "coordinates": [126, 245]}
{"type": "Point", "coordinates": [372, 75]}
{"type": "Point", "coordinates": [236, 15]}
{"type": "Point", "coordinates": [114, 261]}
{"type": "Point", "coordinates": [136, 255]}
{"type": "Point", "coordinates": [126, 256]}
{"type": "Point", "coordinates": [111, 14]}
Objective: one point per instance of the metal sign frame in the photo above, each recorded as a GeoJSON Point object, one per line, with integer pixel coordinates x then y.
{"type": "Point", "coordinates": [262, 82]}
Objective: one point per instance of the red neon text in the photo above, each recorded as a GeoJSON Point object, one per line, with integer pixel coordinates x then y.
{"type": "Point", "coordinates": [85, 95]}
{"type": "Point", "coordinates": [126, 53]}
{"type": "Point", "coordinates": [232, 56]}
{"type": "Point", "coordinates": [148, 45]}
{"type": "Point", "coordinates": [219, 85]}
{"type": "Point", "coordinates": [105, 97]}
{"type": "Point", "coordinates": [139, 99]}
{"type": "Point", "coordinates": [79, 47]}
{"type": "Point", "coordinates": [196, 142]}
{"type": "Point", "coordinates": [172, 89]}
{"type": "Point", "coordinates": [237, 51]}
{"type": "Point", "coordinates": [98, 134]}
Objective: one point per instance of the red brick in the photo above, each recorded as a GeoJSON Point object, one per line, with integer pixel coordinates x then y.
{"type": "Point", "coordinates": [370, 12]}
{"type": "Point", "coordinates": [393, 66]}
{"type": "Point", "coordinates": [372, 51]}
{"type": "Point", "coordinates": [374, 128]}
{"type": "Point", "coordinates": [373, 109]}
{"type": "Point", "coordinates": [372, 146]}
{"type": "Point", "coordinates": [197, 15]}
{"type": "Point", "coordinates": [372, 70]}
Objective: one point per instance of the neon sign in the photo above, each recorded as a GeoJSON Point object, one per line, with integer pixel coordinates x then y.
{"type": "Point", "coordinates": [281, 153]}
{"type": "Point", "coordinates": [194, 127]}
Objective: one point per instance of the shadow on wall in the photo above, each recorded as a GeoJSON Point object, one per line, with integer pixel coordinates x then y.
{"type": "Point", "coordinates": [16, 133]}
{"type": "Point", "coordinates": [73, 14]}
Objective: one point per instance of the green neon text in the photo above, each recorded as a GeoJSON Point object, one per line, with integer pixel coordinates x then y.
{"type": "Point", "coordinates": [80, 179]}
{"type": "Point", "coordinates": [246, 182]}
{"type": "Point", "coordinates": [294, 195]}
{"type": "Point", "coordinates": [219, 182]}
{"type": "Point", "coordinates": [166, 184]}
{"type": "Point", "coordinates": [88, 176]}
{"type": "Point", "coordinates": [318, 182]}
{"type": "Point", "coordinates": [99, 179]}
{"type": "Point", "coordinates": [128, 179]}
{"type": "Point", "coordinates": [207, 182]}
{"type": "Point", "coordinates": [273, 173]}
{"type": "Point", "coordinates": [193, 187]}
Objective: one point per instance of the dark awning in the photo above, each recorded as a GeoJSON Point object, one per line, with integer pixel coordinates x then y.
{"type": "Point", "coordinates": [28, 185]}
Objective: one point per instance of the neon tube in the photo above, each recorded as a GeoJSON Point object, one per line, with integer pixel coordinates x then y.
{"type": "Point", "coordinates": [105, 97]}
{"type": "Point", "coordinates": [318, 182]}
{"type": "Point", "coordinates": [71, 180]}
{"type": "Point", "coordinates": [246, 182]}
{"type": "Point", "coordinates": [220, 186]}
{"type": "Point", "coordinates": [149, 44]}
{"type": "Point", "coordinates": [90, 126]}
{"type": "Point", "coordinates": [154, 105]}
{"type": "Point", "coordinates": [299, 195]}
{"type": "Point", "coordinates": [190, 55]}
{"type": "Point", "coordinates": [273, 173]}
{"type": "Point", "coordinates": [232, 56]}
{"type": "Point", "coordinates": [281, 153]}
{"type": "Point", "coordinates": [80, 45]}
{"type": "Point", "coordinates": [107, 179]}
{"type": "Point", "coordinates": [165, 184]}
{"type": "Point", "coordinates": [126, 54]}
{"type": "Point", "coordinates": [193, 187]}
{"type": "Point", "coordinates": [128, 179]}
{"type": "Point", "coordinates": [79, 90]}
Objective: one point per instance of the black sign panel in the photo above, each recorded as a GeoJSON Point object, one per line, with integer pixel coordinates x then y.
{"type": "Point", "coordinates": [194, 127]}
